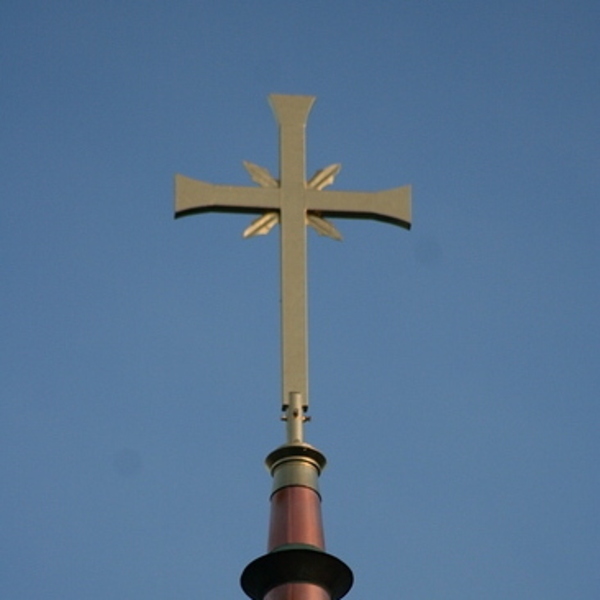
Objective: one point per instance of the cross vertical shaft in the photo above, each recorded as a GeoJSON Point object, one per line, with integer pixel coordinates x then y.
{"type": "Point", "coordinates": [292, 114]}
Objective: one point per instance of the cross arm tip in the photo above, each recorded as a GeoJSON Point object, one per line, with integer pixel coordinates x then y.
{"type": "Point", "coordinates": [389, 206]}
{"type": "Point", "coordinates": [194, 196]}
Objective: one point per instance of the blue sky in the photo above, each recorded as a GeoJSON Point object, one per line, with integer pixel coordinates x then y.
{"type": "Point", "coordinates": [453, 369]}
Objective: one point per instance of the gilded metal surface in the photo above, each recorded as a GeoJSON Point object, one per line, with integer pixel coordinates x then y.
{"type": "Point", "coordinates": [294, 416]}
{"type": "Point", "coordinates": [293, 202]}
{"type": "Point", "coordinates": [296, 464]}
{"type": "Point", "coordinates": [292, 452]}
{"type": "Point", "coordinates": [295, 472]}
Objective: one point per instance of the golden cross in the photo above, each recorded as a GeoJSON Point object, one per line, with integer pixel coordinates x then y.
{"type": "Point", "coordinates": [294, 203]}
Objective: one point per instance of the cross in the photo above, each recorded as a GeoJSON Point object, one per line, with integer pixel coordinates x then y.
{"type": "Point", "coordinates": [294, 203]}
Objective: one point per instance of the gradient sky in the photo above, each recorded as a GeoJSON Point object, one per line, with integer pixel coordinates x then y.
{"type": "Point", "coordinates": [453, 369]}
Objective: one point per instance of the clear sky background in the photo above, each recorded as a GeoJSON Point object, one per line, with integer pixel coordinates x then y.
{"type": "Point", "coordinates": [454, 368]}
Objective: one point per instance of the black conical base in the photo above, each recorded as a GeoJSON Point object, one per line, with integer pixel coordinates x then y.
{"type": "Point", "coordinates": [296, 565]}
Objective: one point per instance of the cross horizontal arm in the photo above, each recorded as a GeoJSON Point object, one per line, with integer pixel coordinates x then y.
{"type": "Point", "coordinates": [391, 206]}
{"type": "Point", "coordinates": [193, 196]}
